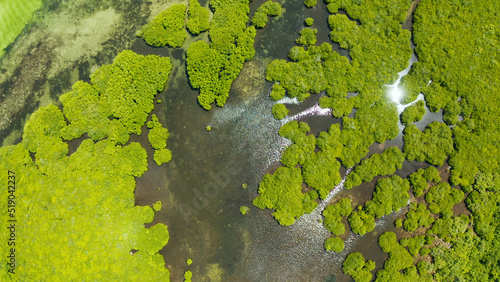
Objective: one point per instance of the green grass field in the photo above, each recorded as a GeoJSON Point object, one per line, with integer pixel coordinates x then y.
{"type": "Point", "coordinates": [14, 15]}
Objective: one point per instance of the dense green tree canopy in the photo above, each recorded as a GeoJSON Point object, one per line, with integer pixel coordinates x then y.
{"type": "Point", "coordinates": [269, 8]}
{"type": "Point", "coordinates": [385, 163]}
{"type": "Point", "coordinates": [109, 107]}
{"type": "Point", "coordinates": [391, 194]}
{"type": "Point", "coordinates": [280, 111]}
{"type": "Point", "coordinates": [282, 192]}
{"type": "Point", "coordinates": [78, 212]}
{"type": "Point", "coordinates": [442, 197]}
{"type": "Point", "coordinates": [333, 215]}
{"type": "Point", "coordinates": [419, 179]}
{"type": "Point", "coordinates": [433, 145]}
{"type": "Point", "coordinates": [167, 28]}
{"type": "Point", "coordinates": [198, 18]}
{"type": "Point", "coordinates": [213, 67]}
{"type": "Point", "coordinates": [413, 113]}
{"type": "Point", "coordinates": [356, 266]}
{"type": "Point", "coordinates": [418, 215]}
{"type": "Point", "coordinates": [334, 244]}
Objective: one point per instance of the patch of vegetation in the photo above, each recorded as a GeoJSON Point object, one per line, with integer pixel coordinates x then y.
{"type": "Point", "coordinates": [356, 266]}
{"type": "Point", "coordinates": [167, 28]}
{"type": "Point", "coordinates": [433, 145]}
{"type": "Point", "coordinates": [244, 209]}
{"type": "Point", "coordinates": [334, 244]}
{"type": "Point", "coordinates": [333, 215]}
{"type": "Point", "coordinates": [198, 18]}
{"type": "Point", "coordinates": [15, 15]}
{"type": "Point", "coordinates": [385, 163]}
{"type": "Point", "coordinates": [269, 8]}
{"type": "Point", "coordinates": [418, 215]}
{"type": "Point", "coordinates": [65, 195]}
{"type": "Point", "coordinates": [413, 113]}
{"type": "Point", "coordinates": [280, 111]}
{"type": "Point", "coordinates": [309, 21]}
{"type": "Point", "coordinates": [157, 137]}
{"type": "Point", "coordinates": [419, 179]}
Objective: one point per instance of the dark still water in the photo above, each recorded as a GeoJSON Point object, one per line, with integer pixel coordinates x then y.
{"type": "Point", "coordinates": [201, 188]}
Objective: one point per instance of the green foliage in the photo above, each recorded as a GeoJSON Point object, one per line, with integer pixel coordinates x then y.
{"type": "Point", "coordinates": [418, 215]}
{"type": "Point", "coordinates": [301, 77]}
{"type": "Point", "coordinates": [423, 266]}
{"type": "Point", "coordinates": [213, 67]}
{"type": "Point", "coordinates": [419, 179]}
{"type": "Point", "coordinates": [269, 8]}
{"type": "Point", "coordinates": [244, 186]}
{"type": "Point", "coordinates": [244, 209]}
{"type": "Point", "coordinates": [158, 134]}
{"type": "Point", "coordinates": [487, 182]}
{"type": "Point", "coordinates": [162, 156]}
{"type": "Point", "coordinates": [310, 3]}
{"type": "Point", "coordinates": [377, 123]}
{"type": "Point", "coordinates": [442, 197]}
{"type": "Point", "coordinates": [385, 163]}
{"type": "Point", "coordinates": [387, 241]}
{"type": "Point", "coordinates": [198, 18]}
{"type": "Point", "coordinates": [356, 266]}
{"type": "Point", "coordinates": [282, 192]}
{"type": "Point", "coordinates": [302, 147]}
{"type": "Point", "coordinates": [414, 244]}
{"type": "Point", "coordinates": [432, 145]}
{"type": "Point", "coordinates": [391, 194]}
{"type": "Point", "coordinates": [280, 111]}
{"type": "Point", "coordinates": [83, 221]}
{"type": "Point", "coordinates": [413, 113]}
{"type": "Point", "coordinates": [398, 223]}
{"type": "Point", "coordinates": [188, 275]}
{"type": "Point", "coordinates": [463, 82]}
{"type": "Point", "coordinates": [321, 171]}
{"type": "Point", "coordinates": [424, 252]}
{"type": "Point", "coordinates": [15, 15]}
{"type": "Point", "coordinates": [109, 107]}
{"type": "Point", "coordinates": [448, 226]}
{"type": "Point", "coordinates": [399, 257]}
{"type": "Point", "coordinates": [189, 261]}
{"type": "Point", "coordinates": [361, 222]}
{"type": "Point", "coordinates": [208, 128]}
{"type": "Point", "coordinates": [468, 259]}
{"type": "Point", "coordinates": [278, 92]}
{"type": "Point", "coordinates": [484, 208]}
{"type": "Point", "coordinates": [157, 206]}
{"type": "Point", "coordinates": [334, 244]}
{"type": "Point", "coordinates": [309, 21]}
{"type": "Point", "coordinates": [307, 37]}
{"type": "Point", "coordinates": [333, 215]}
{"type": "Point", "coordinates": [167, 28]}
{"type": "Point", "coordinates": [157, 137]}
